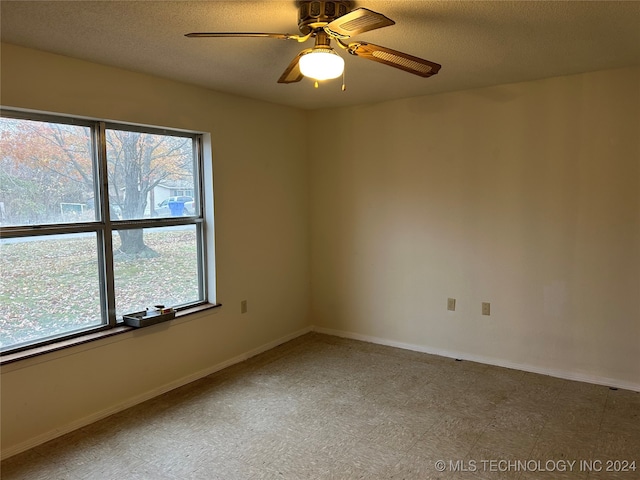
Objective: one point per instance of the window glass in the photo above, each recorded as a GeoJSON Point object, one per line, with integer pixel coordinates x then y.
{"type": "Point", "coordinates": [62, 263]}
{"type": "Point", "coordinates": [46, 173]}
{"type": "Point", "coordinates": [50, 286]}
{"type": "Point", "coordinates": [144, 169]}
{"type": "Point", "coordinates": [163, 272]}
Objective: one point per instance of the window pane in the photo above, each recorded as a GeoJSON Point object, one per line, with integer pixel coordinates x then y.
{"type": "Point", "coordinates": [163, 272]}
{"type": "Point", "coordinates": [146, 170]}
{"type": "Point", "coordinates": [50, 286]}
{"type": "Point", "coordinates": [46, 173]}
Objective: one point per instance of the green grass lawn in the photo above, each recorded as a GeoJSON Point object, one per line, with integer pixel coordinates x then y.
{"type": "Point", "coordinates": [51, 286]}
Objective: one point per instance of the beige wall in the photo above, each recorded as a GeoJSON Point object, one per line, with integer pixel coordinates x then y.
{"type": "Point", "coordinates": [261, 208]}
{"type": "Point", "coordinates": [526, 196]}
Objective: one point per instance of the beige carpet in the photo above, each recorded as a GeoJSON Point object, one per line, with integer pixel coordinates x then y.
{"type": "Point", "coordinates": [322, 407]}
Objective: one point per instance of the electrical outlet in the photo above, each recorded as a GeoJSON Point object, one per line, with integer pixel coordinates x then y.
{"type": "Point", "coordinates": [451, 304]}
{"type": "Point", "coordinates": [486, 308]}
{"type": "Point", "coordinates": [243, 306]}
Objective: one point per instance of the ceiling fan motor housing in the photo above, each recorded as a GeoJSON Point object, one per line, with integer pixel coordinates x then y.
{"type": "Point", "coordinates": [316, 14]}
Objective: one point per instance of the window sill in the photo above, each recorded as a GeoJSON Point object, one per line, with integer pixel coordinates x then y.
{"type": "Point", "coordinates": [90, 337]}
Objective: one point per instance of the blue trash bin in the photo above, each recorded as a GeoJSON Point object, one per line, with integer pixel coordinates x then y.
{"type": "Point", "coordinates": [176, 208]}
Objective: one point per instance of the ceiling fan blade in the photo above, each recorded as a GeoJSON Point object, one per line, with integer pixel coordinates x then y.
{"type": "Point", "coordinates": [357, 21]}
{"type": "Point", "coordinates": [281, 36]}
{"type": "Point", "coordinates": [292, 73]}
{"type": "Point", "coordinates": [393, 58]}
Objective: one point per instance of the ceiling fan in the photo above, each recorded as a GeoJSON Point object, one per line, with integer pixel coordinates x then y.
{"type": "Point", "coordinates": [335, 20]}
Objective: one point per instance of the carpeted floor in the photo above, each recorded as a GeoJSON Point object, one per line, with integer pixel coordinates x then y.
{"type": "Point", "coordinates": [322, 407]}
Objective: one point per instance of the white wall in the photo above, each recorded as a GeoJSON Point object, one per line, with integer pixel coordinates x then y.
{"type": "Point", "coordinates": [261, 194]}
{"type": "Point", "coordinates": [526, 196]}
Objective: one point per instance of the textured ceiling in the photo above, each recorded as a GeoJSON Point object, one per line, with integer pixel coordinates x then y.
{"type": "Point", "coordinates": [478, 43]}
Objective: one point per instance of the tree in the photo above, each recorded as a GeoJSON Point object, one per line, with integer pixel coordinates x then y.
{"type": "Point", "coordinates": [36, 176]}
{"type": "Point", "coordinates": [137, 163]}
{"type": "Point", "coordinates": [44, 164]}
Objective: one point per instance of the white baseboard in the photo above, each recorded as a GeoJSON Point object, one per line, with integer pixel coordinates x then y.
{"type": "Point", "coordinates": [552, 372]}
{"type": "Point", "coordinates": [83, 422]}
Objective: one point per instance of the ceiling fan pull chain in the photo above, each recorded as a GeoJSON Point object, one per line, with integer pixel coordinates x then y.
{"type": "Point", "coordinates": [316, 84]}
{"type": "Point", "coordinates": [344, 85]}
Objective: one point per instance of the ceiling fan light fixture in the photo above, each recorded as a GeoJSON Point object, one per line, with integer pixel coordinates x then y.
{"type": "Point", "coordinates": [321, 64]}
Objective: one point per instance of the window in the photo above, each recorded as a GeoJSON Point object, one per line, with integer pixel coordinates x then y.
{"type": "Point", "coordinates": [90, 229]}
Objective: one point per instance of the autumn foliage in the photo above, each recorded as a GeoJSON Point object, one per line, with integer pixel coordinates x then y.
{"type": "Point", "coordinates": [49, 172]}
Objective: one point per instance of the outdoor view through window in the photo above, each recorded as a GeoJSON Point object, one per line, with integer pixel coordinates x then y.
{"type": "Point", "coordinates": [97, 220]}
